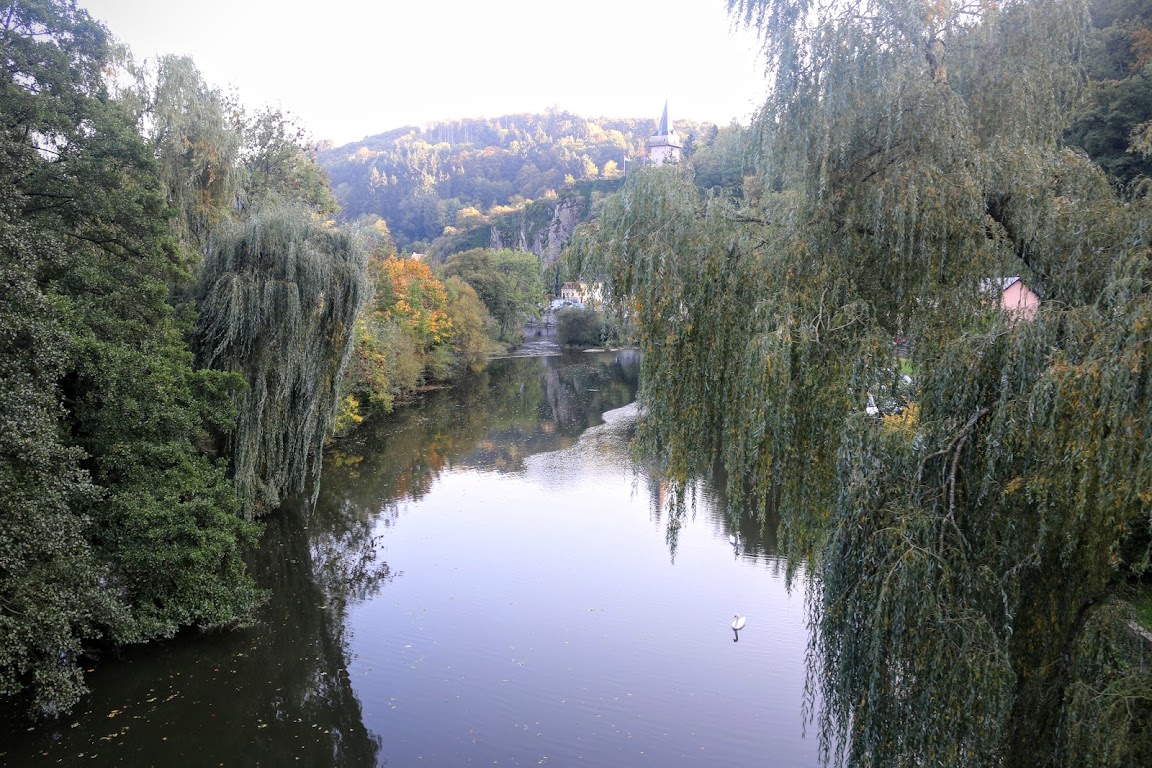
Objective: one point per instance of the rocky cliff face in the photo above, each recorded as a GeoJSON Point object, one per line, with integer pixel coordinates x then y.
{"type": "Point", "coordinates": [567, 215]}
{"type": "Point", "coordinates": [543, 228]}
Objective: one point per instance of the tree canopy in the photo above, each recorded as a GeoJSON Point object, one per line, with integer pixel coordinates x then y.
{"type": "Point", "coordinates": [1113, 125]}
{"type": "Point", "coordinates": [414, 329]}
{"type": "Point", "coordinates": [121, 452]}
{"type": "Point", "coordinates": [964, 559]}
{"type": "Point", "coordinates": [115, 525]}
{"type": "Point", "coordinates": [278, 299]}
{"type": "Point", "coordinates": [509, 283]}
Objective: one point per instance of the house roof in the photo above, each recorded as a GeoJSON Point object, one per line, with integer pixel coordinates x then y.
{"type": "Point", "coordinates": [999, 283]}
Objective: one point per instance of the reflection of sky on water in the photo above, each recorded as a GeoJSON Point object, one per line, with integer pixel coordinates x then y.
{"type": "Point", "coordinates": [602, 449]}
{"type": "Point", "coordinates": [485, 579]}
{"type": "Point", "coordinates": [540, 620]}
{"type": "Point", "coordinates": [554, 401]}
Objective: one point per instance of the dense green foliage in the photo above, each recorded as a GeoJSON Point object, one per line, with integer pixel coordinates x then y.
{"type": "Point", "coordinates": [473, 328]}
{"type": "Point", "coordinates": [276, 289]}
{"type": "Point", "coordinates": [508, 282]}
{"type": "Point", "coordinates": [218, 160]}
{"type": "Point", "coordinates": [964, 561]}
{"type": "Point", "coordinates": [197, 145]}
{"type": "Point", "coordinates": [114, 525]}
{"type": "Point", "coordinates": [279, 163]}
{"type": "Point", "coordinates": [120, 455]}
{"type": "Point", "coordinates": [723, 161]}
{"type": "Point", "coordinates": [580, 327]}
{"type": "Point", "coordinates": [467, 173]}
{"type": "Point", "coordinates": [1115, 125]}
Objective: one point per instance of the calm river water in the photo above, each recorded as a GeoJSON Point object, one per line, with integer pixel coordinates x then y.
{"type": "Point", "coordinates": [484, 581]}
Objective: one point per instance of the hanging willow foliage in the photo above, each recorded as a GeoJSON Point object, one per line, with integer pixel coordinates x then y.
{"type": "Point", "coordinates": [198, 146]}
{"type": "Point", "coordinates": [278, 298]}
{"type": "Point", "coordinates": [720, 345]}
{"type": "Point", "coordinates": [965, 556]}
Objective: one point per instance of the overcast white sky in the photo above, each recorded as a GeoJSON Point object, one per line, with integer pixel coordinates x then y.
{"type": "Point", "coordinates": [353, 68]}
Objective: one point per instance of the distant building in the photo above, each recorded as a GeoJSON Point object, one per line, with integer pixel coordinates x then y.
{"type": "Point", "coordinates": [570, 292]}
{"type": "Point", "coordinates": [1016, 298]}
{"type": "Point", "coordinates": [664, 146]}
{"type": "Point", "coordinates": [581, 293]}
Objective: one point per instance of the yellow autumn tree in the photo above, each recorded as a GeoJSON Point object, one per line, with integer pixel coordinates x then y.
{"type": "Point", "coordinates": [414, 330]}
{"type": "Point", "coordinates": [408, 293]}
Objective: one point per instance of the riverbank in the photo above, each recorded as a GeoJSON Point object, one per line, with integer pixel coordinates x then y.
{"type": "Point", "coordinates": [438, 606]}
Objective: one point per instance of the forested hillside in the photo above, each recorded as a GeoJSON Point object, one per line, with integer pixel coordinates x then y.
{"type": "Point", "coordinates": [1114, 125]}
{"type": "Point", "coordinates": [440, 187]}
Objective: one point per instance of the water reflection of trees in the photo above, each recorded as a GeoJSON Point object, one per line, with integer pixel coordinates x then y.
{"type": "Point", "coordinates": [275, 693]}
{"type": "Point", "coordinates": [279, 692]}
{"type": "Point", "coordinates": [317, 563]}
{"type": "Point", "coordinates": [315, 566]}
{"type": "Point", "coordinates": [752, 535]}
{"type": "Point", "coordinates": [519, 407]}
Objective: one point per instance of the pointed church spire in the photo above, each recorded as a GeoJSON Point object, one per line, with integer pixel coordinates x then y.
{"type": "Point", "coordinates": [665, 123]}
{"type": "Point", "coordinates": [664, 146]}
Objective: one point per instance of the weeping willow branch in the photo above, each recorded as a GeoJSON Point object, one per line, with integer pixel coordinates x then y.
{"type": "Point", "coordinates": [278, 298]}
{"type": "Point", "coordinates": [953, 447]}
{"type": "Point", "coordinates": [897, 195]}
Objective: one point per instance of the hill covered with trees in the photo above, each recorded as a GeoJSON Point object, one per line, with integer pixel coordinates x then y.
{"type": "Point", "coordinates": [1114, 124]}
{"type": "Point", "coordinates": [520, 181]}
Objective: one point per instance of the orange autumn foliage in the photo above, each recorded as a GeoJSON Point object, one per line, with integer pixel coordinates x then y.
{"type": "Point", "coordinates": [407, 293]}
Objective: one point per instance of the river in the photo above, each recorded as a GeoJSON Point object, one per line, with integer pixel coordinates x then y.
{"type": "Point", "coordinates": [485, 580]}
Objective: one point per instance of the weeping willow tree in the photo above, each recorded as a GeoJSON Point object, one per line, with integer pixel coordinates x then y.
{"type": "Point", "coordinates": [197, 139]}
{"type": "Point", "coordinates": [965, 556]}
{"type": "Point", "coordinates": [278, 298]}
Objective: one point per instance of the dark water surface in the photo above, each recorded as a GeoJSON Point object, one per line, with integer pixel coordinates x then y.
{"type": "Point", "coordinates": [484, 581]}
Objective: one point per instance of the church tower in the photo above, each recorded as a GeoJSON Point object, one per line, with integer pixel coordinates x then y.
{"type": "Point", "coordinates": [664, 146]}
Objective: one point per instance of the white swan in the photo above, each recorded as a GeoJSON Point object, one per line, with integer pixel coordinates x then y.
{"type": "Point", "coordinates": [738, 622]}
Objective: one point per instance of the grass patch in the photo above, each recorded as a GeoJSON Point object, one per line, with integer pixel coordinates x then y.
{"type": "Point", "coordinates": [1142, 604]}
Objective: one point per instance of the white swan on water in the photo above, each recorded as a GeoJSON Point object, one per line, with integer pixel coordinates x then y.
{"type": "Point", "coordinates": [738, 622]}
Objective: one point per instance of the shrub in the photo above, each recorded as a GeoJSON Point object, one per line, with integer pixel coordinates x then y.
{"type": "Point", "coordinates": [576, 326]}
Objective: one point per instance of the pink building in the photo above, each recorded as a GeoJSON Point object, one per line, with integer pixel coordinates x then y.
{"type": "Point", "coordinates": [1018, 299]}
